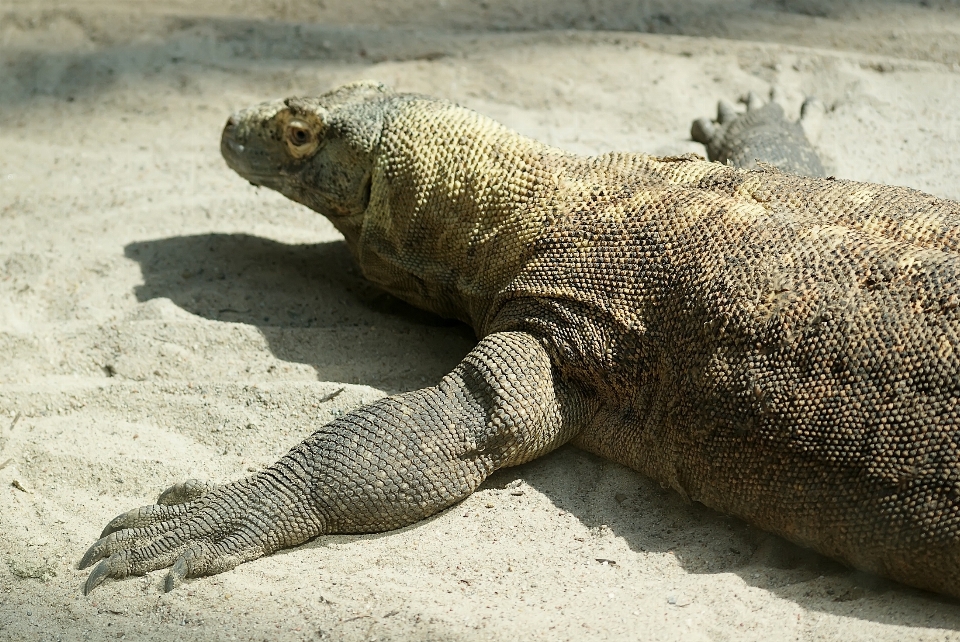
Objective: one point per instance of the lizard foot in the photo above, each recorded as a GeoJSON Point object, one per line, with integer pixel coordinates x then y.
{"type": "Point", "coordinates": [197, 528]}
{"type": "Point", "coordinates": [762, 134]}
{"type": "Point", "coordinates": [169, 504]}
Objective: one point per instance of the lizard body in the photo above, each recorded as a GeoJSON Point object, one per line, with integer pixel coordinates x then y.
{"type": "Point", "coordinates": [778, 347]}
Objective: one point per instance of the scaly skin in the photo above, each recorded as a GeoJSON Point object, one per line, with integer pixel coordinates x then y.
{"type": "Point", "coordinates": [761, 134]}
{"type": "Point", "coordinates": [780, 348]}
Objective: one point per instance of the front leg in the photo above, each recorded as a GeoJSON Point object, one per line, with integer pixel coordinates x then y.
{"type": "Point", "coordinates": [383, 466]}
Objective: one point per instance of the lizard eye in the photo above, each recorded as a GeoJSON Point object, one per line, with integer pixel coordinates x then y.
{"type": "Point", "coordinates": [299, 136]}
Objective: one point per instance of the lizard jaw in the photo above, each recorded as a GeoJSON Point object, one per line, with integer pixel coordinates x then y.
{"type": "Point", "coordinates": [248, 150]}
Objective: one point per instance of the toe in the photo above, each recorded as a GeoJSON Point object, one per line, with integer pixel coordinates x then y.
{"type": "Point", "coordinates": [95, 553]}
{"type": "Point", "coordinates": [753, 101]}
{"type": "Point", "coordinates": [185, 492]}
{"type": "Point", "coordinates": [114, 567]}
{"type": "Point", "coordinates": [145, 516]}
{"type": "Point", "coordinates": [703, 130]}
{"type": "Point", "coordinates": [210, 558]}
{"type": "Point", "coordinates": [124, 540]}
{"type": "Point", "coordinates": [726, 112]}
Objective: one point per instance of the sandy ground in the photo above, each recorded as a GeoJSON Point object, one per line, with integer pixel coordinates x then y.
{"type": "Point", "coordinates": [161, 319]}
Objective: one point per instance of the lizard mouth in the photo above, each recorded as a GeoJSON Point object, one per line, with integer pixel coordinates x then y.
{"type": "Point", "coordinates": [240, 150]}
{"type": "Point", "coordinates": [232, 150]}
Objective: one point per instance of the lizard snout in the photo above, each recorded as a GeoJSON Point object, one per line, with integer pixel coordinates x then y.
{"type": "Point", "coordinates": [228, 142]}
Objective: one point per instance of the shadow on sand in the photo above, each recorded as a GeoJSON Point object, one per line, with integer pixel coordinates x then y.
{"type": "Point", "coordinates": [302, 298]}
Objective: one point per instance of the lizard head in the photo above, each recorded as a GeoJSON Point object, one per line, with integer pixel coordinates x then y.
{"type": "Point", "coordinates": [414, 184]}
{"type": "Point", "coordinates": [316, 151]}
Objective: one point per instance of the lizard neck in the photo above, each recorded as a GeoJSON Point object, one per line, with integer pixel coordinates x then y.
{"type": "Point", "coordinates": [456, 202]}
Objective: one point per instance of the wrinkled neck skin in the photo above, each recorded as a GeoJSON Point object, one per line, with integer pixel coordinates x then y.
{"type": "Point", "coordinates": [456, 201]}
{"type": "Point", "coordinates": [440, 206]}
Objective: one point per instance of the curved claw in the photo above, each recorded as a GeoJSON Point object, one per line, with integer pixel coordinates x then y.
{"type": "Point", "coordinates": [176, 574]}
{"type": "Point", "coordinates": [131, 519]}
{"type": "Point", "coordinates": [97, 576]}
{"type": "Point", "coordinates": [95, 553]}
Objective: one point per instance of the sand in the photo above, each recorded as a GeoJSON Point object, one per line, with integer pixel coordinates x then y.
{"type": "Point", "coordinates": [161, 319]}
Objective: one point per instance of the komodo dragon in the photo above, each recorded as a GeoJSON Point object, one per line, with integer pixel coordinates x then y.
{"type": "Point", "coordinates": [777, 347]}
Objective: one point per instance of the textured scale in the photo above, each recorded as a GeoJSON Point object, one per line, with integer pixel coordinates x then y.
{"type": "Point", "coordinates": [780, 348]}
{"type": "Point", "coordinates": [762, 134]}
